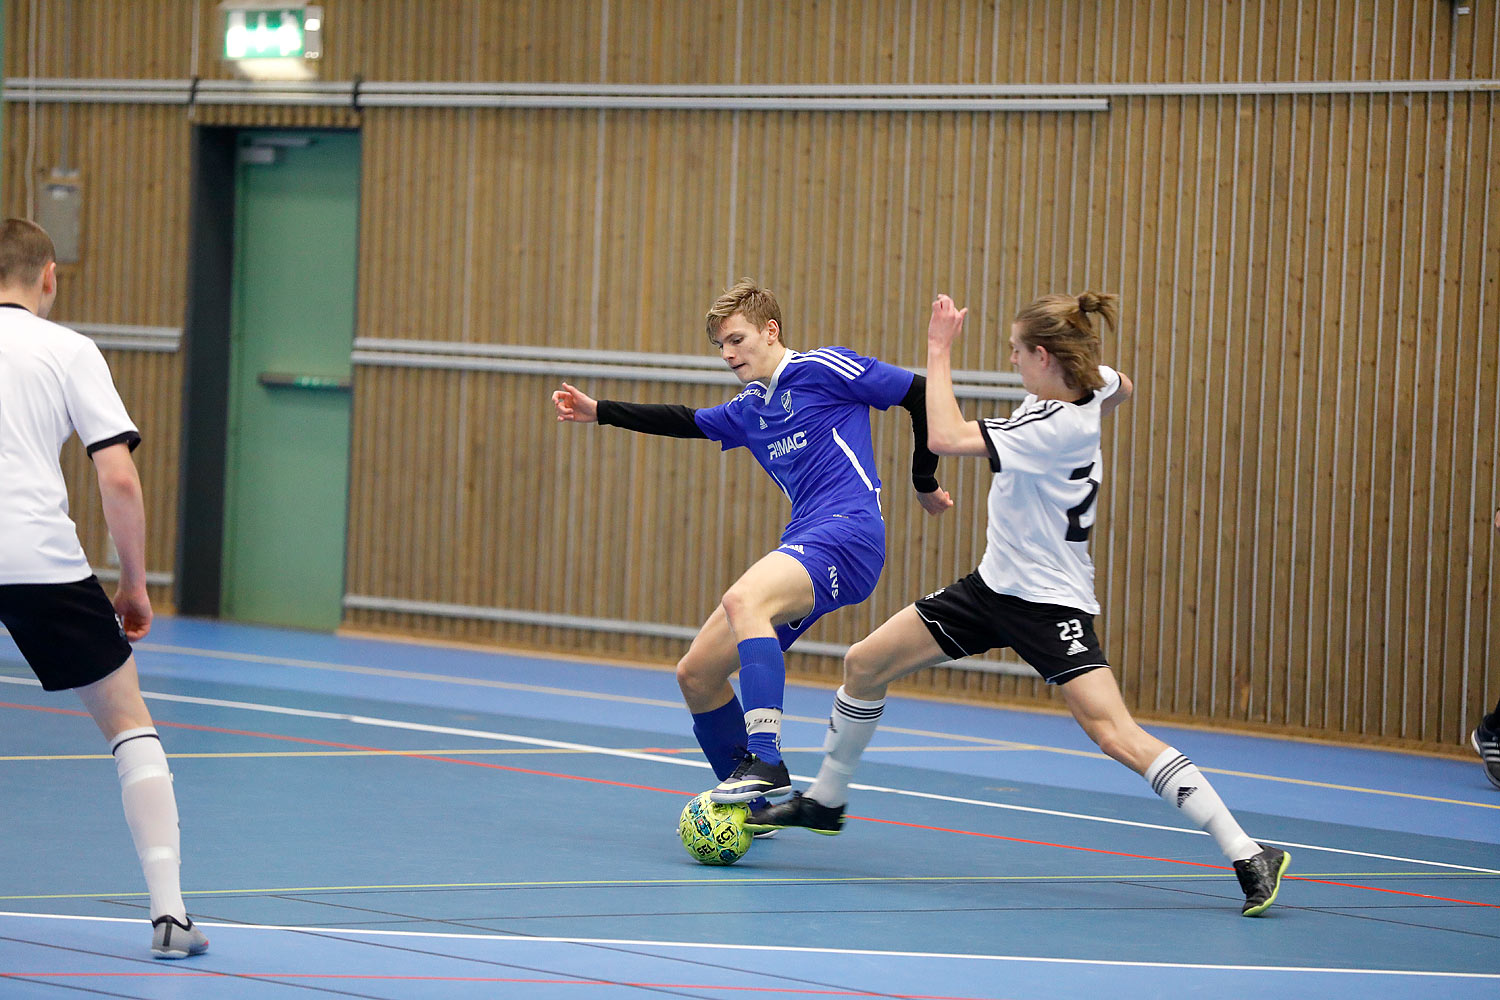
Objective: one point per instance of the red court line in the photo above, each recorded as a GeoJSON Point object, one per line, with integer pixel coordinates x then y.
{"type": "Point", "coordinates": [673, 791]}
{"type": "Point", "coordinates": [1174, 861]}
{"type": "Point", "coordinates": [1398, 892]}
{"type": "Point", "coordinates": [475, 979]}
{"type": "Point", "coordinates": [357, 746]}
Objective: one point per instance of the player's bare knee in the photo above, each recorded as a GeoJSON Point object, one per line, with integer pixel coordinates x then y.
{"type": "Point", "coordinates": [738, 607]}
{"type": "Point", "coordinates": [1107, 737]}
{"type": "Point", "coordinates": [862, 672]}
{"type": "Point", "coordinates": [691, 677]}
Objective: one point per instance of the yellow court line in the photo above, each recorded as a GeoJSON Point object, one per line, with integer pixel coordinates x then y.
{"type": "Point", "coordinates": [1350, 788]}
{"type": "Point", "coordinates": [786, 880]}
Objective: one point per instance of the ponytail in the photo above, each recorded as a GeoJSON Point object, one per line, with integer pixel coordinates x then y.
{"type": "Point", "coordinates": [1061, 324]}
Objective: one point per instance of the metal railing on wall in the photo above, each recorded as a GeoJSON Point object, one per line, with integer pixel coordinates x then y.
{"type": "Point", "coordinates": [811, 97]}
{"type": "Point", "coordinates": [626, 365]}
{"type": "Point", "coordinates": [362, 94]}
{"type": "Point", "coordinates": [124, 337]}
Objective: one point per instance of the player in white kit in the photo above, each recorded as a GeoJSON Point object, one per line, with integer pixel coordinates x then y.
{"type": "Point", "coordinates": [1034, 588]}
{"type": "Point", "coordinates": [54, 382]}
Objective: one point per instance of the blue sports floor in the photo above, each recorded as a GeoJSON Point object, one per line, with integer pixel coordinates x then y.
{"type": "Point", "coordinates": [365, 818]}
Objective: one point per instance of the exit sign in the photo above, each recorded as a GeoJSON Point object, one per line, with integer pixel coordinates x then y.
{"type": "Point", "coordinates": [257, 32]}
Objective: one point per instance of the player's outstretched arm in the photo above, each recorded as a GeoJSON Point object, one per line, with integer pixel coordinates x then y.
{"type": "Point", "coordinates": [1126, 390]}
{"type": "Point", "coordinates": [125, 513]}
{"type": "Point", "coordinates": [575, 405]}
{"type": "Point", "coordinates": [933, 498]}
{"type": "Point", "coordinates": [948, 433]}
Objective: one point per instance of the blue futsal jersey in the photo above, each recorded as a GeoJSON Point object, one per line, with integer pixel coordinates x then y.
{"type": "Point", "coordinates": [810, 428]}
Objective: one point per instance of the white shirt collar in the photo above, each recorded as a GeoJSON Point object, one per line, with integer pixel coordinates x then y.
{"type": "Point", "coordinates": [776, 375]}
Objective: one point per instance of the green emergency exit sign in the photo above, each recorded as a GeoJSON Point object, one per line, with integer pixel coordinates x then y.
{"type": "Point", "coordinates": [254, 32]}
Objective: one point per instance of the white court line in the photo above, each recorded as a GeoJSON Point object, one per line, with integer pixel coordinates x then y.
{"type": "Point", "coordinates": [485, 682]}
{"type": "Point", "coordinates": [482, 734]}
{"type": "Point", "coordinates": [982, 741]}
{"type": "Point", "coordinates": [798, 949]}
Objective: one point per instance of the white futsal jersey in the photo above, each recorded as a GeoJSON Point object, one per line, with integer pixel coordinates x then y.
{"type": "Point", "coordinates": [52, 382]}
{"type": "Point", "coordinates": [1048, 469]}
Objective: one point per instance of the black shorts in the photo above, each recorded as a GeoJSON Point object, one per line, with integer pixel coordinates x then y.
{"type": "Point", "coordinates": [68, 632]}
{"type": "Point", "coordinates": [967, 618]}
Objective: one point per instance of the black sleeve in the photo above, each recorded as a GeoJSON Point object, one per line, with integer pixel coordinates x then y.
{"type": "Point", "coordinates": [666, 419]}
{"type": "Point", "coordinates": [923, 462]}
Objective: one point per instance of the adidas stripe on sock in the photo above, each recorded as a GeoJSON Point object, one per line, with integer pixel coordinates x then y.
{"type": "Point", "coordinates": [1179, 782]}
{"type": "Point", "coordinates": [851, 724]}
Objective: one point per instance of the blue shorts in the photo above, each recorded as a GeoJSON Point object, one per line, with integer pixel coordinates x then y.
{"type": "Point", "coordinates": [843, 554]}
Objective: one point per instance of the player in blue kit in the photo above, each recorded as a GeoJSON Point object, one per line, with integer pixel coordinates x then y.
{"type": "Point", "coordinates": [805, 416]}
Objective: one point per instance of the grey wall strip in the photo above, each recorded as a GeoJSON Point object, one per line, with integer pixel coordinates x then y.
{"type": "Point", "coordinates": [122, 337]}
{"type": "Point", "coordinates": [457, 95]}
{"type": "Point", "coordinates": [356, 602]}
{"type": "Point", "coordinates": [110, 574]}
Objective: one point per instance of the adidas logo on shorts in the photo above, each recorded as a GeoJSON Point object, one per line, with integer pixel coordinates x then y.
{"type": "Point", "coordinates": [1076, 648]}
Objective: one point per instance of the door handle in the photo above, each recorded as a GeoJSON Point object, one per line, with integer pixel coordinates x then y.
{"type": "Point", "coordinates": [314, 383]}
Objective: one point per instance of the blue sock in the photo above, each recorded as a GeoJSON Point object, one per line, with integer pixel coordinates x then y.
{"type": "Point", "coordinates": [763, 683]}
{"type": "Point", "coordinates": [721, 734]}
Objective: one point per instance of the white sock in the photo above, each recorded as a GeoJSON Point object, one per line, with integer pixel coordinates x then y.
{"type": "Point", "coordinates": [850, 726]}
{"type": "Point", "coordinates": [151, 814]}
{"type": "Point", "coordinates": [1178, 780]}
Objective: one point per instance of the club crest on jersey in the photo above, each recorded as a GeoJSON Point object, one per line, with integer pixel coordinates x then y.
{"type": "Point", "coordinates": [786, 402]}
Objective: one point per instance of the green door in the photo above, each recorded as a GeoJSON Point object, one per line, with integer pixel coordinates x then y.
{"type": "Point", "coordinates": [291, 333]}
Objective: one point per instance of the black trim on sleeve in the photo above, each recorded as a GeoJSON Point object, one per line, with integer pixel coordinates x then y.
{"type": "Point", "coordinates": [989, 445]}
{"type": "Point", "coordinates": [923, 462]}
{"type": "Point", "coordinates": [132, 438]}
{"type": "Point", "coordinates": [1082, 473]}
{"type": "Point", "coordinates": [666, 419]}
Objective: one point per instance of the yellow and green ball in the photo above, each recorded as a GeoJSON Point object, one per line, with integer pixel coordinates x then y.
{"type": "Point", "coordinates": [714, 834]}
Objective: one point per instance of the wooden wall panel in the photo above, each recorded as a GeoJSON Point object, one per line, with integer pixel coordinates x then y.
{"type": "Point", "coordinates": [773, 42]}
{"type": "Point", "coordinates": [1295, 530]}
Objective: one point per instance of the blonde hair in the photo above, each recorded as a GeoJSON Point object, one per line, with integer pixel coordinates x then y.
{"type": "Point", "coordinates": [25, 248]}
{"type": "Point", "coordinates": [758, 305]}
{"type": "Point", "coordinates": [1061, 324]}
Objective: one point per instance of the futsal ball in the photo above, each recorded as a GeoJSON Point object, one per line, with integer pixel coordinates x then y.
{"type": "Point", "coordinates": [714, 834]}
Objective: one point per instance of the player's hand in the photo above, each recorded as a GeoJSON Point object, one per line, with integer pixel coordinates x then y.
{"type": "Point", "coordinates": [935, 502]}
{"type": "Point", "coordinates": [572, 404]}
{"type": "Point", "coordinates": [947, 320]}
{"type": "Point", "coordinates": [133, 607]}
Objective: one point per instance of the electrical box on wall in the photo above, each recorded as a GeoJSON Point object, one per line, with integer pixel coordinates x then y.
{"type": "Point", "coordinates": [59, 207]}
